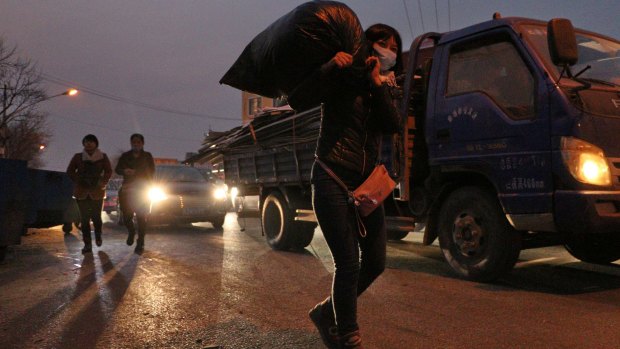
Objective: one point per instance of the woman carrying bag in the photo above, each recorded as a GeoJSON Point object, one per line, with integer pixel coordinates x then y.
{"type": "Point", "coordinates": [357, 113]}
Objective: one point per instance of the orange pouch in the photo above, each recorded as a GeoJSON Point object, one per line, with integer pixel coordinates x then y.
{"type": "Point", "coordinates": [375, 189]}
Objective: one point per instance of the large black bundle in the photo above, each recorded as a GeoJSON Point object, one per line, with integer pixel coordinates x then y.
{"type": "Point", "coordinates": [295, 45]}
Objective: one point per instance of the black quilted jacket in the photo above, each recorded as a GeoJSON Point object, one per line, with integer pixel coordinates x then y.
{"type": "Point", "coordinates": [355, 116]}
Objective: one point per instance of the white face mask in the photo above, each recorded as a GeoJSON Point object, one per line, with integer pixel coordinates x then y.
{"type": "Point", "coordinates": [386, 57]}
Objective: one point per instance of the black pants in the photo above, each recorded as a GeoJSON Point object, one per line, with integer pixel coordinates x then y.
{"type": "Point", "coordinates": [338, 222]}
{"type": "Point", "coordinates": [132, 203]}
{"type": "Point", "coordinates": [90, 210]}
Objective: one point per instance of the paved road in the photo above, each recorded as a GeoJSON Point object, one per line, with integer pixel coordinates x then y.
{"type": "Point", "coordinates": [198, 287]}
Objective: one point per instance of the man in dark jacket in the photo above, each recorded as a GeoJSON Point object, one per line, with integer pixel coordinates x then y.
{"type": "Point", "coordinates": [137, 168]}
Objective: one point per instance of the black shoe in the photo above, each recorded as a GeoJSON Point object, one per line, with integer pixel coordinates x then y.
{"type": "Point", "coordinates": [88, 248]}
{"type": "Point", "coordinates": [98, 240]}
{"type": "Point", "coordinates": [139, 249]}
{"type": "Point", "coordinates": [326, 325]}
{"type": "Point", "coordinates": [130, 239]}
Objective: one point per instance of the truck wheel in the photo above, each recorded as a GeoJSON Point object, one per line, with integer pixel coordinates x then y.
{"type": "Point", "coordinates": [475, 237]}
{"type": "Point", "coordinates": [396, 234]}
{"type": "Point", "coordinates": [218, 222]}
{"type": "Point", "coordinates": [598, 249]}
{"type": "Point", "coordinates": [276, 217]}
{"type": "Point", "coordinates": [281, 229]}
{"type": "Point", "coordinates": [302, 235]}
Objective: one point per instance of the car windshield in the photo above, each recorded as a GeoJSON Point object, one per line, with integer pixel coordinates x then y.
{"type": "Point", "coordinates": [178, 174]}
{"type": "Point", "coordinates": [602, 55]}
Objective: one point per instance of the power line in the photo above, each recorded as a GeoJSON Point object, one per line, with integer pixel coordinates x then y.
{"type": "Point", "coordinates": [421, 16]}
{"type": "Point", "coordinates": [449, 16]}
{"type": "Point", "coordinates": [436, 16]}
{"type": "Point", "coordinates": [408, 18]}
{"type": "Point", "coordinates": [112, 97]}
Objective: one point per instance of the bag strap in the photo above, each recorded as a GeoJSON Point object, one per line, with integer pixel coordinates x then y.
{"type": "Point", "coordinates": [334, 176]}
{"type": "Point", "coordinates": [361, 228]}
{"type": "Point", "coordinates": [360, 224]}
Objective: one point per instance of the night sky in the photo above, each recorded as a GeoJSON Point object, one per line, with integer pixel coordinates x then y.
{"type": "Point", "coordinates": [169, 56]}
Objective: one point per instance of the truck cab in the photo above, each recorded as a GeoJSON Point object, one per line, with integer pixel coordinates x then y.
{"type": "Point", "coordinates": [510, 142]}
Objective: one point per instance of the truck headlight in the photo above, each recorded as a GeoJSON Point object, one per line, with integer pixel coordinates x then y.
{"type": "Point", "coordinates": [585, 161]}
{"type": "Point", "coordinates": [157, 194]}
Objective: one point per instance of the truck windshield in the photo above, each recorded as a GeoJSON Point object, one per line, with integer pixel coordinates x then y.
{"type": "Point", "coordinates": [601, 54]}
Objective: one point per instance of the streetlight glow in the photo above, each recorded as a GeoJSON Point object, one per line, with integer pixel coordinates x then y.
{"type": "Point", "coordinates": [71, 92]}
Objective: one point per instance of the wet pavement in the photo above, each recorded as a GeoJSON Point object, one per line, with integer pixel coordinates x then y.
{"type": "Point", "coordinates": [199, 287]}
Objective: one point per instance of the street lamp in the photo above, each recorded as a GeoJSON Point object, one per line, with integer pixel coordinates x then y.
{"type": "Point", "coordinates": [70, 92]}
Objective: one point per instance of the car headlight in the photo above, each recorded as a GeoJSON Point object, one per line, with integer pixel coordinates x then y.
{"type": "Point", "coordinates": [157, 194]}
{"type": "Point", "coordinates": [585, 161]}
{"type": "Point", "coordinates": [220, 193]}
{"type": "Point", "coordinates": [233, 193]}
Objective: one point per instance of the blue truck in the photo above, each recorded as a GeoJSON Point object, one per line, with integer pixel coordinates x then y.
{"type": "Point", "coordinates": [509, 141]}
{"type": "Point", "coordinates": [33, 198]}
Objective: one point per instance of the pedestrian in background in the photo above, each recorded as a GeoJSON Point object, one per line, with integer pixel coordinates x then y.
{"type": "Point", "coordinates": [137, 168]}
{"type": "Point", "coordinates": [90, 171]}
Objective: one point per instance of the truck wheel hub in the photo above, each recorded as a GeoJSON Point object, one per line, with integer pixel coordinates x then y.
{"type": "Point", "coordinates": [467, 235]}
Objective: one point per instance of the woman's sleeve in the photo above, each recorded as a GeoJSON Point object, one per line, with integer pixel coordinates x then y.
{"type": "Point", "coordinates": [72, 169]}
{"type": "Point", "coordinates": [385, 115]}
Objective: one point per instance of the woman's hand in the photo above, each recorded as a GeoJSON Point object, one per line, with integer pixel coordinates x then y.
{"type": "Point", "coordinates": [374, 65]}
{"type": "Point", "coordinates": [340, 60]}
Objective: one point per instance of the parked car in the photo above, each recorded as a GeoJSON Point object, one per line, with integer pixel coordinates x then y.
{"type": "Point", "coordinates": [110, 202]}
{"type": "Point", "coordinates": [181, 194]}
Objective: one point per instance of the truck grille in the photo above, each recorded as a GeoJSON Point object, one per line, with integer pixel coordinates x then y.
{"type": "Point", "coordinates": [615, 171]}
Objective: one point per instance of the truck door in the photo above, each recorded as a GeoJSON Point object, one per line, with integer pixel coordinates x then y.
{"type": "Point", "coordinates": [491, 116]}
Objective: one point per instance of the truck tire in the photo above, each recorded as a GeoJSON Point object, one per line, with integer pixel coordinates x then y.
{"type": "Point", "coordinates": [281, 229]}
{"type": "Point", "coordinates": [302, 236]}
{"type": "Point", "coordinates": [475, 237]}
{"type": "Point", "coordinates": [597, 249]}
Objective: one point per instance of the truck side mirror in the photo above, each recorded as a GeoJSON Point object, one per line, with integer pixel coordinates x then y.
{"type": "Point", "coordinates": [562, 42]}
